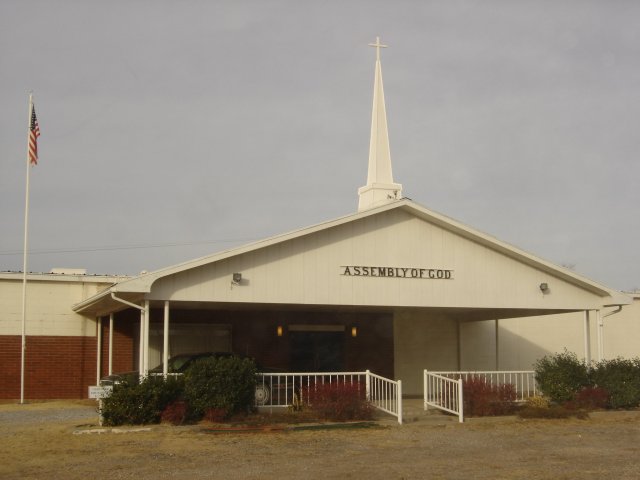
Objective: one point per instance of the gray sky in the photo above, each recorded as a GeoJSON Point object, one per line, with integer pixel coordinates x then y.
{"type": "Point", "coordinates": [171, 130]}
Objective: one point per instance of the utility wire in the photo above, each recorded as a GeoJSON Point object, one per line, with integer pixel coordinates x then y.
{"type": "Point", "coordinates": [123, 247]}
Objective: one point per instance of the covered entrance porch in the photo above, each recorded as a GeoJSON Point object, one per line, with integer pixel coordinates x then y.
{"type": "Point", "coordinates": [396, 343]}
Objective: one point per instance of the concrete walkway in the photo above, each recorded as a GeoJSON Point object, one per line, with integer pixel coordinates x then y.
{"type": "Point", "coordinates": [413, 412]}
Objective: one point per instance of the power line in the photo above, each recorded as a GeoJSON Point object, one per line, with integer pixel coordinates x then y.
{"type": "Point", "coordinates": [123, 247]}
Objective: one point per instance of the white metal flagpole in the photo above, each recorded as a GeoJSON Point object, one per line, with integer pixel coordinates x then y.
{"type": "Point", "coordinates": [31, 158]}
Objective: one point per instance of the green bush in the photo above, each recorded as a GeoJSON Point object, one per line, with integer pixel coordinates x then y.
{"type": "Point", "coordinates": [621, 379]}
{"type": "Point", "coordinates": [224, 383]}
{"type": "Point", "coordinates": [561, 376]}
{"type": "Point", "coordinates": [141, 403]}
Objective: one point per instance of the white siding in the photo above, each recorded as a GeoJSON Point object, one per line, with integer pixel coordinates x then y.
{"type": "Point", "coordinates": [307, 270]}
{"type": "Point", "coordinates": [49, 305]}
{"type": "Point", "coordinates": [423, 340]}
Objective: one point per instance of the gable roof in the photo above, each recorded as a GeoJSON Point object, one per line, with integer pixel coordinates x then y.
{"type": "Point", "coordinates": [141, 284]}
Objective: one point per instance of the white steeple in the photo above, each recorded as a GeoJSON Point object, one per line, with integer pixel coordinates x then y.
{"type": "Point", "coordinates": [380, 188]}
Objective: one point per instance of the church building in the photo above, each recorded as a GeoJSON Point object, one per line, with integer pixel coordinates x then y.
{"type": "Point", "coordinates": [394, 288]}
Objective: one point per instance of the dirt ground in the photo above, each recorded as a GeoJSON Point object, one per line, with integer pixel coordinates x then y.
{"type": "Point", "coordinates": [60, 440]}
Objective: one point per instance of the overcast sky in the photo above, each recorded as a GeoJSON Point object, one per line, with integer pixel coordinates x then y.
{"type": "Point", "coordinates": [171, 130]}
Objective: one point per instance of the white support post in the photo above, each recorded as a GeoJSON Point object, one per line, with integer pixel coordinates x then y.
{"type": "Point", "coordinates": [165, 343]}
{"type": "Point", "coordinates": [141, 343]}
{"type": "Point", "coordinates": [460, 402]}
{"type": "Point", "coordinates": [399, 402]}
{"type": "Point", "coordinates": [587, 338]}
{"type": "Point", "coordinates": [600, 332]}
{"type": "Point", "coordinates": [368, 385]}
{"type": "Point", "coordinates": [99, 352]}
{"type": "Point", "coordinates": [145, 357]}
{"type": "Point", "coordinates": [425, 389]}
{"type": "Point", "coordinates": [110, 344]}
{"type": "Point", "coordinates": [497, 342]}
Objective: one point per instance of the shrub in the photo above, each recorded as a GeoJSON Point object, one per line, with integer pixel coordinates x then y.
{"type": "Point", "coordinates": [215, 415]}
{"type": "Point", "coordinates": [226, 383]}
{"type": "Point", "coordinates": [538, 401]}
{"type": "Point", "coordinates": [589, 398]}
{"type": "Point", "coordinates": [561, 376]}
{"type": "Point", "coordinates": [339, 401]}
{"type": "Point", "coordinates": [621, 379]}
{"type": "Point", "coordinates": [175, 413]}
{"type": "Point", "coordinates": [140, 403]}
{"type": "Point", "coordinates": [482, 398]}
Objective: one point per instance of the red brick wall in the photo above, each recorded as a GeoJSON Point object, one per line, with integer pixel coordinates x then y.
{"type": "Point", "coordinates": [122, 346]}
{"type": "Point", "coordinates": [55, 367]}
{"type": "Point", "coordinates": [60, 367]}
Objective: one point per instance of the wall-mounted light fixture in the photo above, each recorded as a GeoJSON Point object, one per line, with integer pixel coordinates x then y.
{"type": "Point", "coordinates": [354, 331]}
{"type": "Point", "coordinates": [236, 278]}
{"type": "Point", "coordinates": [279, 330]}
{"type": "Point", "coordinates": [544, 287]}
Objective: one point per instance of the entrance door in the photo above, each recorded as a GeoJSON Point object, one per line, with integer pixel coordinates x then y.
{"type": "Point", "coordinates": [317, 351]}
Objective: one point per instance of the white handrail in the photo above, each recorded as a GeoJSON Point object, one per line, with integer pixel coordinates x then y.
{"type": "Point", "coordinates": [288, 389]}
{"type": "Point", "coordinates": [443, 393]}
{"type": "Point", "coordinates": [523, 381]}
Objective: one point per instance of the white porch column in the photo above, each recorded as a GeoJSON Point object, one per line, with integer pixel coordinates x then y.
{"type": "Point", "coordinates": [600, 332]}
{"type": "Point", "coordinates": [99, 352]}
{"type": "Point", "coordinates": [110, 344]}
{"type": "Point", "coordinates": [587, 338]}
{"type": "Point", "coordinates": [497, 328]}
{"type": "Point", "coordinates": [145, 357]}
{"type": "Point", "coordinates": [141, 343]}
{"type": "Point", "coordinates": [165, 344]}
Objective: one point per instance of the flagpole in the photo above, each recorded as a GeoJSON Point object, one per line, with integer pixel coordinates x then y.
{"type": "Point", "coordinates": [24, 259]}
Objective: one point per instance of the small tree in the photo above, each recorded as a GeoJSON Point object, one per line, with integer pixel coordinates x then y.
{"type": "Point", "coordinates": [561, 376]}
{"type": "Point", "coordinates": [223, 384]}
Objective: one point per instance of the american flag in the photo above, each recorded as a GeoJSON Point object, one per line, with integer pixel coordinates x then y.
{"type": "Point", "coordinates": [34, 133]}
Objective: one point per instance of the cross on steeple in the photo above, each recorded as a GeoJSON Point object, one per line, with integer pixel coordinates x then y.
{"type": "Point", "coordinates": [378, 46]}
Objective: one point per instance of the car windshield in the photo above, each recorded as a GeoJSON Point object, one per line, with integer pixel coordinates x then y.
{"type": "Point", "coordinates": [175, 364]}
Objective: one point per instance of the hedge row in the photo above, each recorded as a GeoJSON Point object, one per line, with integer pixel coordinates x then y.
{"type": "Point", "coordinates": [564, 378]}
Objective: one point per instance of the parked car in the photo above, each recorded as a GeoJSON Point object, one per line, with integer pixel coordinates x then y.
{"type": "Point", "coordinates": [276, 389]}
{"type": "Point", "coordinates": [177, 364]}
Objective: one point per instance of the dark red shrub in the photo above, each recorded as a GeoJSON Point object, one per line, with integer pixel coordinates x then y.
{"type": "Point", "coordinates": [215, 415]}
{"type": "Point", "coordinates": [483, 399]}
{"type": "Point", "coordinates": [591, 398]}
{"type": "Point", "coordinates": [174, 413]}
{"type": "Point", "coordinates": [338, 401]}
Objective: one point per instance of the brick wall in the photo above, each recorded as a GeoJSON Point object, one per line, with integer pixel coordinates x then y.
{"type": "Point", "coordinates": [60, 366]}
{"type": "Point", "coordinates": [122, 346]}
{"type": "Point", "coordinates": [55, 367]}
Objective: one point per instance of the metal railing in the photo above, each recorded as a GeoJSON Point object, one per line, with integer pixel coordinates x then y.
{"type": "Point", "coordinates": [443, 390]}
{"type": "Point", "coordinates": [523, 381]}
{"type": "Point", "coordinates": [443, 393]}
{"type": "Point", "coordinates": [295, 389]}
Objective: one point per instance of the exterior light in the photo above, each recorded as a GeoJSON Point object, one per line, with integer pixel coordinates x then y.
{"type": "Point", "coordinates": [236, 279]}
{"type": "Point", "coordinates": [544, 287]}
{"type": "Point", "coordinates": [354, 331]}
{"type": "Point", "coordinates": [279, 330]}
